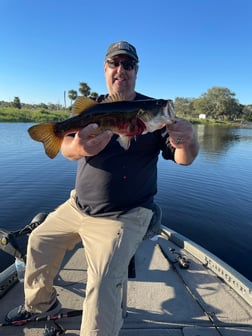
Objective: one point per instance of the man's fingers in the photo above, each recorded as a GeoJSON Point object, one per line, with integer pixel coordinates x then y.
{"type": "Point", "coordinates": [87, 131]}
{"type": "Point", "coordinates": [100, 139]}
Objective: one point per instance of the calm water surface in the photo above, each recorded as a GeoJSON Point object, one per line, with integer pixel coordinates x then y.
{"type": "Point", "coordinates": [210, 201]}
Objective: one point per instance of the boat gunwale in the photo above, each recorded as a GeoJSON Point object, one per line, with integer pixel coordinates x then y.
{"type": "Point", "coordinates": [241, 285]}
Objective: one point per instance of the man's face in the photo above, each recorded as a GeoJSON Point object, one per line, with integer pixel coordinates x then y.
{"type": "Point", "coordinates": [121, 77]}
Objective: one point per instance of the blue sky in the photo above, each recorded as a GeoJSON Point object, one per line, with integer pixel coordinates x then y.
{"type": "Point", "coordinates": [185, 46]}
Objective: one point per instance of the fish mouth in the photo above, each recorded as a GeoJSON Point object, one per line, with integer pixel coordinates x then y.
{"type": "Point", "coordinates": [169, 111]}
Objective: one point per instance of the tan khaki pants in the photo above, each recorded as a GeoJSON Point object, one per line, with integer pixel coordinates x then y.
{"type": "Point", "coordinates": [109, 245]}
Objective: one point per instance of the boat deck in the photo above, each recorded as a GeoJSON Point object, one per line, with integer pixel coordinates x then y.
{"type": "Point", "coordinates": [164, 299]}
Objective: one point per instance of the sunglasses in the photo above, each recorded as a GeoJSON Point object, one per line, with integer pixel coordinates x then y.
{"type": "Point", "coordinates": [127, 65]}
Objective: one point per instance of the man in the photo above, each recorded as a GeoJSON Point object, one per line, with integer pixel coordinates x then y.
{"type": "Point", "coordinates": [109, 210]}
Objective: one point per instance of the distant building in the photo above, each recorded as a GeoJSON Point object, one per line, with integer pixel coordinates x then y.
{"type": "Point", "coordinates": [202, 116]}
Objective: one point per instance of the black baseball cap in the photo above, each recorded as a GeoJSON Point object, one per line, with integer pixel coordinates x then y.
{"type": "Point", "coordinates": [121, 48]}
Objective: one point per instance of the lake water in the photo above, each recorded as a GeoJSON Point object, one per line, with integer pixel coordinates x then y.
{"type": "Point", "coordinates": [210, 201]}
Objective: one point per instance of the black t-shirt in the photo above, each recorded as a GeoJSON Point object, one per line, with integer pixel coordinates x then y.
{"type": "Point", "coordinates": [116, 180]}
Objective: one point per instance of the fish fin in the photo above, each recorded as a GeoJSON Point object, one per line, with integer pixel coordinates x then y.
{"type": "Point", "coordinates": [81, 104]}
{"type": "Point", "coordinates": [124, 141]}
{"type": "Point", "coordinates": [114, 98]}
{"type": "Point", "coordinates": [45, 133]}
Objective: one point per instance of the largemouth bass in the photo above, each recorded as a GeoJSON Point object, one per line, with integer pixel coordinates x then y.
{"type": "Point", "coordinates": [125, 118]}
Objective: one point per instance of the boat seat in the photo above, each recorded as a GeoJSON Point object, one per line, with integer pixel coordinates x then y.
{"type": "Point", "coordinates": [153, 230]}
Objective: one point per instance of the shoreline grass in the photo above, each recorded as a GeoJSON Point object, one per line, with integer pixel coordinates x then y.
{"type": "Point", "coordinates": [8, 114]}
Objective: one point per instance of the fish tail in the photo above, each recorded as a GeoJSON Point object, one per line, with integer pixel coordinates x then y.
{"type": "Point", "coordinates": [45, 133]}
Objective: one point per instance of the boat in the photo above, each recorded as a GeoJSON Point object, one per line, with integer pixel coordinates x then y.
{"type": "Point", "coordinates": [178, 289]}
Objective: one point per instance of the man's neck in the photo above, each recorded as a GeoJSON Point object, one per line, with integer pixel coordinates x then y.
{"type": "Point", "coordinates": [130, 96]}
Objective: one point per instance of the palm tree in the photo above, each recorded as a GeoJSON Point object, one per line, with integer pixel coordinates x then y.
{"type": "Point", "coordinates": [84, 89]}
{"type": "Point", "coordinates": [94, 95]}
{"type": "Point", "coordinates": [72, 95]}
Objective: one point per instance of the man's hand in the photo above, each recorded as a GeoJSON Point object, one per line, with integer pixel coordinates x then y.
{"type": "Point", "coordinates": [86, 142]}
{"type": "Point", "coordinates": [183, 138]}
{"type": "Point", "coordinates": [180, 133]}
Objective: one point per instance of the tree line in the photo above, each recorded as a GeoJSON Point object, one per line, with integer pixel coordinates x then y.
{"type": "Point", "coordinates": [218, 103]}
{"type": "Point", "coordinates": [84, 90]}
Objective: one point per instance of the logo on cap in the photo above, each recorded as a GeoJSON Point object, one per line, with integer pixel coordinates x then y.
{"type": "Point", "coordinates": [115, 48]}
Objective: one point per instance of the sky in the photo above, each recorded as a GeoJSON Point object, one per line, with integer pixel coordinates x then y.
{"type": "Point", "coordinates": [185, 47]}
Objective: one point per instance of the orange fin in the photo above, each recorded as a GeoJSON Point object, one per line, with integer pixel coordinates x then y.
{"type": "Point", "coordinates": [45, 134]}
{"type": "Point", "coordinates": [82, 104]}
{"type": "Point", "coordinates": [114, 98]}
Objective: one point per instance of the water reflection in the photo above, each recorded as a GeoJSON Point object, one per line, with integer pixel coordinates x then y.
{"type": "Point", "coordinates": [218, 139]}
{"type": "Point", "coordinates": [209, 201]}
